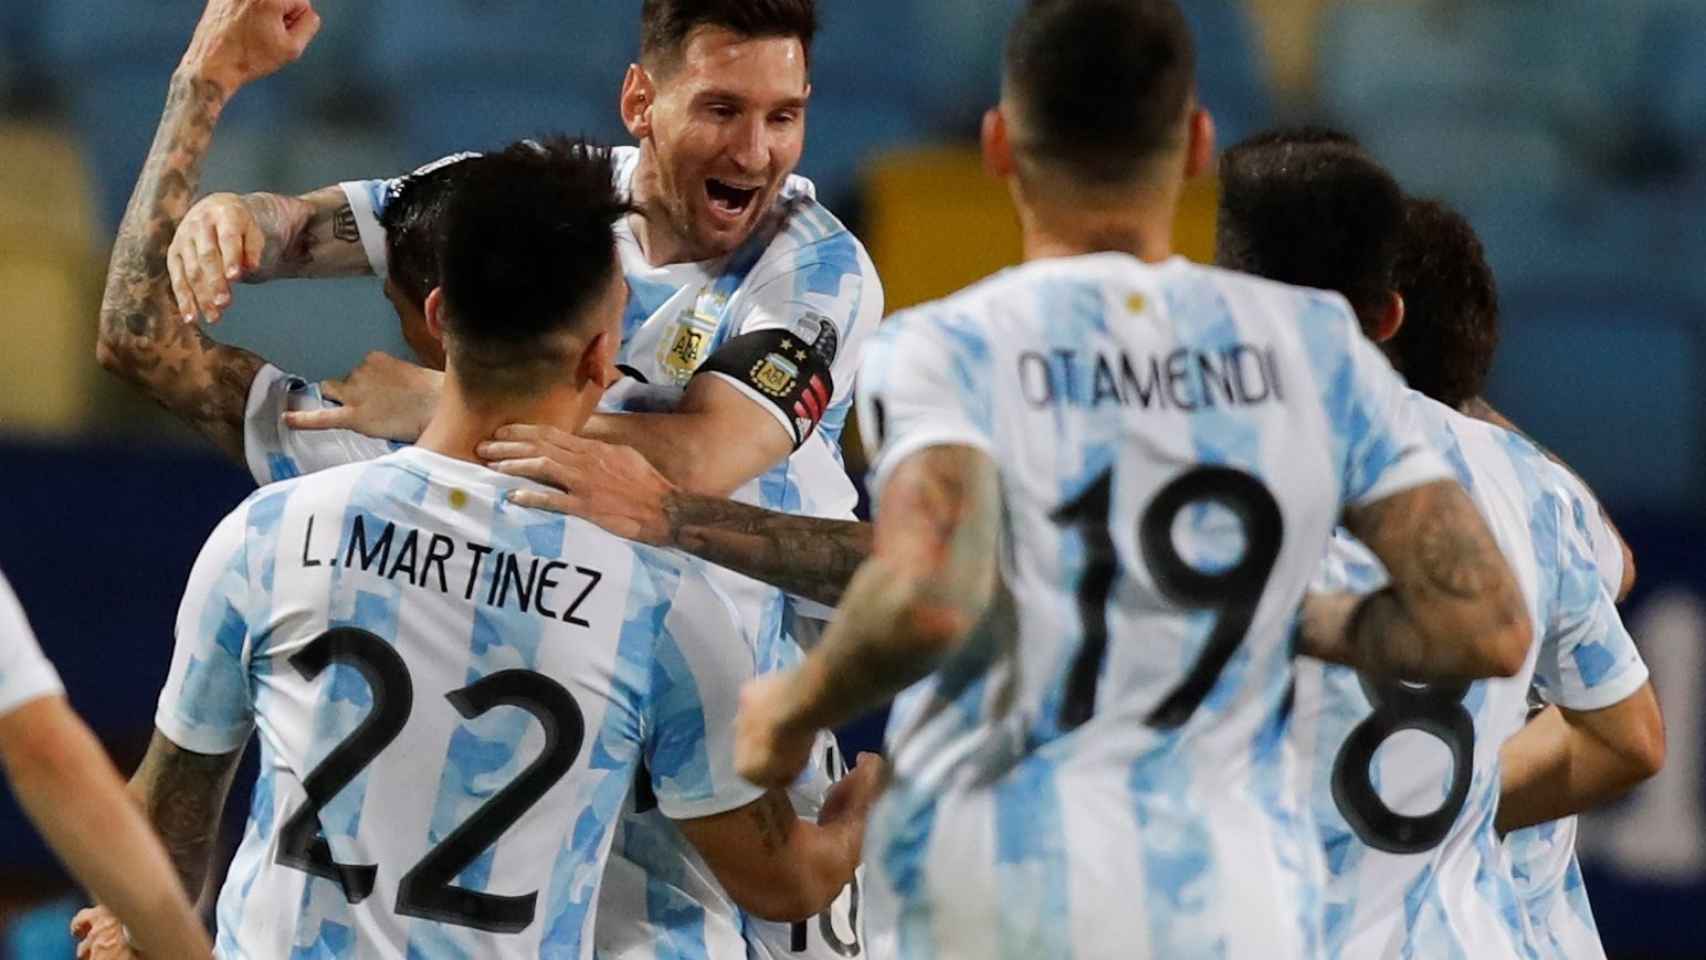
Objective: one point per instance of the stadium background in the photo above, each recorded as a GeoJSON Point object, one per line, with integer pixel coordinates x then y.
{"type": "Point", "coordinates": [1573, 132]}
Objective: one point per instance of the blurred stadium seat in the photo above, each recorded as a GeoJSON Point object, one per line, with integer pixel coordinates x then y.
{"type": "Point", "coordinates": [844, 133]}
{"type": "Point", "coordinates": [1463, 155]}
{"type": "Point", "coordinates": [1673, 79]}
{"type": "Point", "coordinates": [1378, 59]}
{"type": "Point", "coordinates": [49, 282]}
{"type": "Point", "coordinates": [313, 328]}
{"type": "Point", "coordinates": [1230, 78]}
{"type": "Point", "coordinates": [1639, 356]}
{"type": "Point", "coordinates": [318, 154]}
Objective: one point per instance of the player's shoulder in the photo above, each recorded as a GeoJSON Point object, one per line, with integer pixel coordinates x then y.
{"type": "Point", "coordinates": [808, 235]}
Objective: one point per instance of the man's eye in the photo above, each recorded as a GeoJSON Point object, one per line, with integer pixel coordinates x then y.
{"type": "Point", "coordinates": [722, 111]}
{"type": "Point", "coordinates": [786, 118]}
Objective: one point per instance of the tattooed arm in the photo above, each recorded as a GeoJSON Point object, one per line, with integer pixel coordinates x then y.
{"type": "Point", "coordinates": [617, 488]}
{"type": "Point", "coordinates": [183, 794]}
{"type": "Point", "coordinates": [777, 866]}
{"type": "Point", "coordinates": [259, 237]}
{"type": "Point", "coordinates": [928, 582]}
{"type": "Point", "coordinates": [141, 340]}
{"type": "Point", "coordinates": [1453, 609]}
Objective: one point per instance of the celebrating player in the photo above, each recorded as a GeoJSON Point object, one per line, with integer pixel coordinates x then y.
{"type": "Point", "coordinates": [335, 614]}
{"type": "Point", "coordinates": [1154, 455]}
{"type": "Point", "coordinates": [1411, 843]}
{"type": "Point", "coordinates": [69, 789]}
{"type": "Point", "coordinates": [1563, 760]}
{"type": "Point", "coordinates": [735, 273]}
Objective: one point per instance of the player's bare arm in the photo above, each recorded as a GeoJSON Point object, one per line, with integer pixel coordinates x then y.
{"type": "Point", "coordinates": [182, 793]}
{"type": "Point", "coordinates": [141, 340]}
{"type": "Point", "coordinates": [928, 582]}
{"type": "Point", "coordinates": [1453, 610]}
{"type": "Point", "coordinates": [1480, 409]}
{"type": "Point", "coordinates": [68, 786]}
{"type": "Point", "coordinates": [256, 237]}
{"type": "Point", "coordinates": [1565, 762]}
{"type": "Point", "coordinates": [780, 867]}
{"type": "Point", "coordinates": [618, 489]}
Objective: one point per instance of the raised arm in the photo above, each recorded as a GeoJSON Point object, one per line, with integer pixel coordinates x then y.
{"type": "Point", "coordinates": [142, 337]}
{"type": "Point", "coordinates": [910, 606]}
{"type": "Point", "coordinates": [1453, 609]}
{"type": "Point", "coordinates": [69, 788]}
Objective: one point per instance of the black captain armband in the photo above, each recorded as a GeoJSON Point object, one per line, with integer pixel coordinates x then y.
{"type": "Point", "coordinates": [780, 367]}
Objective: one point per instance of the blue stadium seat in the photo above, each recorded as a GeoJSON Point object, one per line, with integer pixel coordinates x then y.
{"type": "Point", "coordinates": [1376, 57]}
{"type": "Point", "coordinates": [1465, 155]}
{"type": "Point", "coordinates": [1581, 363]}
{"type": "Point", "coordinates": [873, 48]}
{"type": "Point", "coordinates": [1230, 78]}
{"type": "Point", "coordinates": [317, 329]}
{"type": "Point", "coordinates": [844, 133]}
{"type": "Point", "coordinates": [317, 155]}
{"type": "Point", "coordinates": [955, 59]}
{"type": "Point", "coordinates": [1673, 83]}
{"type": "Point", "coordinates": [449, 114]}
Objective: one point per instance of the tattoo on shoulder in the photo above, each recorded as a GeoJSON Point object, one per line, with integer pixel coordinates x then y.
{"type": "Point", "coordinates": [343, 225]}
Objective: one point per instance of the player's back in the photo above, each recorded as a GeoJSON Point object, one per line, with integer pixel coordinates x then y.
{"type": "Point", "coordinates": [1175, 445]}
{"type": "Point", "coordinates": [1404, 778]}
{"type": "Point", "coordinates": [454, 695]}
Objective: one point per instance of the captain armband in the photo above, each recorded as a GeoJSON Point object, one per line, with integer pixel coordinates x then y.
{"type": "Point", "coordinates": [780, 367]}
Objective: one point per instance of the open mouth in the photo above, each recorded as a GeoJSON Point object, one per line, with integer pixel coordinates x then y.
{"type": "Point", "coordinates": [730, 200]}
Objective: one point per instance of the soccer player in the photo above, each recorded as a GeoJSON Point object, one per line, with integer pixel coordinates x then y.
{"type": "Point", "coordinates": [1415, 865]}
{"type": "Point", "coordinates": [749, 305]}
{"type": "Point", "coordinates": [1154, 455]}
{"type": "Point", "coordinates": [1562, 760]}
{"type": "Point", "coordinates": [455, 694]}
{"type": "Point", "coordinates": [69, 789]}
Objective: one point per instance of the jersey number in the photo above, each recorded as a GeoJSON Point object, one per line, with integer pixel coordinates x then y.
{"type": "Point", "coordinates": [1437, 710]}
{"type": "Point", "coordinates": [1233, 593]}
{"type": "Point", "coordinates": [426, 890]}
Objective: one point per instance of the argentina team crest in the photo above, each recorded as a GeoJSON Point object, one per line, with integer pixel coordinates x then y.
{"type": "Point", "coordinates": [687, 344]}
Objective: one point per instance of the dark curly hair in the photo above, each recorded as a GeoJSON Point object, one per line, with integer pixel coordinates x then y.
{"type": "Point", "coordinates": [1451, 329]}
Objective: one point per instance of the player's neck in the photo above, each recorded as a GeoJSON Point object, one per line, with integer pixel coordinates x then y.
{"type": "Point", "coordinates": [1065, 229]}
{"type": "Point", "coordinates": [461, 423]}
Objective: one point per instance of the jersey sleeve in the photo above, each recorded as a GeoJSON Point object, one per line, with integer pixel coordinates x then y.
{"type": "Point", "coordinates": [702, 661]}
{"type": "Point", "coordinates": [1349, 567]}
{"type": "Point", "coordinates": [1606, 548]}
{"type": "Point", "coordinates": [274, 451]}
{"type": "Point", "coordinates": [367, 201]}
{"type": "Point", "coordinates": [925, 383]}
{"type": "Point", "coordinates": [1588, 661]}
{"type": "Point", "coordinates": [25, 673]}
{"type": "Point", "coordinates": [206, 705]}
{"type": "Point", "coordinates": [1386, 446]}
{"type": "Point", "coordinates": [799, 330]}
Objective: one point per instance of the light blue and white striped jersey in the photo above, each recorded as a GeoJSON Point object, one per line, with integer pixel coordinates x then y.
{"type": "Point", "coordinates": [453, 696]}
{"type": "Point", "coordinates": [1176, 444]}
{"type": "Point", "coordinates": [25, 673]}
{"type": "Point", "coordinates": [1404, 779]}
{"type": "Point", "coordinates": [1543, 858]}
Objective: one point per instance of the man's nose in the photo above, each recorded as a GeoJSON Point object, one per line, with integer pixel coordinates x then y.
{"type": "Point", "coordinates": [752, 149]}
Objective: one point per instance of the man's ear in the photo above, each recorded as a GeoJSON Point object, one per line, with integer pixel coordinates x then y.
{"type": "Point", "coordinates": [435, 314]}
{"type": "Point", "coordinates": [1391, 318]}
{"type": "Point", "coordinates": [639, 95]}
{"type": "Point", "coordinates": [997, 145]}
{"type": "Point", "coordinates": [1199, 147]}
{"type": "Point", "coordinates": [598, 361]}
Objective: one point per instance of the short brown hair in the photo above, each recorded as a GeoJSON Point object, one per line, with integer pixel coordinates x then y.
{"type": "Point", "coordinates": [665, 25]}
{"type": "Point", "coordinates": [1451, 329]}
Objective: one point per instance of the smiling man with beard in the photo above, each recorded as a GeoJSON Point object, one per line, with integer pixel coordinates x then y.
{"type": "Point", "coordinates": [748, 307]}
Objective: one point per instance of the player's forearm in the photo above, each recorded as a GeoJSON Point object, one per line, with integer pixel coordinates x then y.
{"type": "Point", "coordinates": [67, 785]}
{"type": "Point", "coordinates": [182, 794]}
{"type": "Point", "coordinates": [308, 237]}
{"type": "Point", "coordinates": [808, 864]}
{"type": "Point", "coordinates": [808, 557]}
{"type": "Point", "coordinates": [1379, 634]}
{"type": "Point", "coordinates": [141, 336]}
{"type": "Point", "coordinates": [692, 450]}
{"type": "Point", "coordinates": [1553, 769]}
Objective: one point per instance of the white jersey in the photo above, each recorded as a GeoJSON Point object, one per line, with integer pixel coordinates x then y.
{"type": "Point", "coordinates": [801, 270]}
{"type": "Point", "coordinates": [453, 696]}
{"type": "Point", "coordinates": [25, 674]}
{"type": "Point", "coordinates": [1175, 445]}
{"type": "Point", "coordinates": [1404, 779]}
{"type": "Point", "coordinates": [1543, 860]}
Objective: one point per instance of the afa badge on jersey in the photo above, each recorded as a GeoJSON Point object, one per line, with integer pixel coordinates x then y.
{"type": "Point", "coordinates": [685, 347]}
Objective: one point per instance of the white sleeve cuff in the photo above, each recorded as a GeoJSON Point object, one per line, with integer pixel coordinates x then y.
{"type": "Point", "coordinates": [364, 200]}
{"type": "Point", "coordinates": [205, 740]}
{"type": "Point", "coordinates": [901, 450]}
{"type": "Point", "coordinates": [1607, 693]}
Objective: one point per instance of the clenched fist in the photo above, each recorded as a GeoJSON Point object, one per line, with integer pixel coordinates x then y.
{"type": "Point", "coordinates": [240, 41]}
